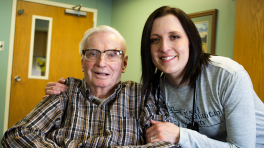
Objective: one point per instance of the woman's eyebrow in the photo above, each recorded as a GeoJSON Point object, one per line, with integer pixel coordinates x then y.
{"type": "Point", "coordinates": [174, 32]}
{"type": "Point", "coordinates": [154, 34]}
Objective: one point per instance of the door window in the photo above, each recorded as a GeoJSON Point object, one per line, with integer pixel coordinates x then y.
{"type": "Point", "coordinates": [40, 47]}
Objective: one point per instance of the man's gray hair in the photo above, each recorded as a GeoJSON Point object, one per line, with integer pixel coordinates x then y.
{"type": "Point", "coordinates": [102, 28]}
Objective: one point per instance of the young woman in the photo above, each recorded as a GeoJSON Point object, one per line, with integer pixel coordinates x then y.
{"type": "Point", "coordinates": [210, 99]}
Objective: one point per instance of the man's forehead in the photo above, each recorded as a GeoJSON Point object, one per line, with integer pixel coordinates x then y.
{"type": "Point", "coordinates": [103, 40]}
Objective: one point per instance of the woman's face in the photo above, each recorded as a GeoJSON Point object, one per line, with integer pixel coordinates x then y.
{"type": "Point", "coordinates": [169, 46]}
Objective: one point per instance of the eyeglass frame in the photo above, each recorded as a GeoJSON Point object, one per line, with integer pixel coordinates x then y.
{"type": "Point", "coordinates": [119, 51]}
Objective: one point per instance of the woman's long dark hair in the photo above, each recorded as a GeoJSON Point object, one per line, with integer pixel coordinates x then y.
{"type": "Point", "coordinates": [150, 74]}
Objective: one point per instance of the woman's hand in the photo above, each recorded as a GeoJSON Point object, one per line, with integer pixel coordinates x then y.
{"type": "Point", "coordinates": [163, 131]}
{"type": "Point", "coordinates": [55, 88]}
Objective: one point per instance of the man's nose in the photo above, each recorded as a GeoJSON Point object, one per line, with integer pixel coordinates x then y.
{"type": "Point", "coordinates": [101, 60]}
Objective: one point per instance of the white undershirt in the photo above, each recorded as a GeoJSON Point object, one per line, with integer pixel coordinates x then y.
{"type": "Point", "coordinates": [101, 100]}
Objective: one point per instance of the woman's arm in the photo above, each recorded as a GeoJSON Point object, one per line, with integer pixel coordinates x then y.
{"type": "Point", "coordinates": [55, 88]}
{"type": "Point", "coordinates": [236, 97]}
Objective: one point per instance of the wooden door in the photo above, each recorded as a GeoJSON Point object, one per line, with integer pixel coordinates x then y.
{"type": "Point", "coordinates": [67, 32]}
{"type": "Point", "coordinates": [249, 37]}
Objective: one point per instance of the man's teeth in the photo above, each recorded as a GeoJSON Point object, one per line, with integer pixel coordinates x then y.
{"type": "Point", "coordinates": [103, 74]}
{"type": "Point", "coordinates": [168, 58]}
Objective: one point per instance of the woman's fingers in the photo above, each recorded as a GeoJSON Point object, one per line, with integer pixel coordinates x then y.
{"type": "Point", "coordinates": [163, 131]}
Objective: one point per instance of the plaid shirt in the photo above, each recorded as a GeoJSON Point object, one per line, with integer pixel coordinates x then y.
{"type": "Point", "coordinates": [73, 119]}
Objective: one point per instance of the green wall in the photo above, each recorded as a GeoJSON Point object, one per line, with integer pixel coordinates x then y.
{"type": "Point", "coordinates": [129, 16]}
{"type": "Point", "coordinates": [104, 8]}
{"type": "Point", "coordinates": [5, 16]}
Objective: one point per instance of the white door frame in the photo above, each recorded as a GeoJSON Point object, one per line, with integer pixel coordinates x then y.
{"type": "Point", "coordinates": [11, 47]}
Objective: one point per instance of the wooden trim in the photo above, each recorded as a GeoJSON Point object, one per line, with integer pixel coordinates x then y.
{"type": "Point", "coordinates": [212, 12]}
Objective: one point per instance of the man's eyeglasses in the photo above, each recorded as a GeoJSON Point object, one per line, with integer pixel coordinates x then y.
{"type": "Point", "coordinates": [94, 54]}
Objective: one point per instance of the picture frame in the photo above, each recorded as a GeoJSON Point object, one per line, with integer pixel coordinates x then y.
{"type": "Point", "coordinates": [205, 21]}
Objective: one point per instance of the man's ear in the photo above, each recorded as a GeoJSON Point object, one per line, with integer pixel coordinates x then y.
{"type": "Point", "coordinates": [124, 64]}
{"type": "Point", "coordinates": [82, 65]}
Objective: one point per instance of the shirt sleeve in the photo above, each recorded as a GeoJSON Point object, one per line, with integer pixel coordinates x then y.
{"type": "Point", "coordinates": [149, 112]}
{"type": "Point", "coordinates": [237, 98]}
{"type": "Point", "coordinates": [32, 130]}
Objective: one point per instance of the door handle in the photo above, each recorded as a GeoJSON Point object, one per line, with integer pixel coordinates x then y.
{"type": "Point", "coordinates": [17, 78]}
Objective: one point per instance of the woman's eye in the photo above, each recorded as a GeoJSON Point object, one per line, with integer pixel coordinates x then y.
{"type": "Point", "coordinates": [155, 40]}
{"type": "Point", "coordinates": [174, 36]}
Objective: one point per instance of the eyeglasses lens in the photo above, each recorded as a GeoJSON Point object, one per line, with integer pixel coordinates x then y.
{"type": "Point", "coordinates": [92, 55]}
{"type": "Point", "coordinates": [110, 55]}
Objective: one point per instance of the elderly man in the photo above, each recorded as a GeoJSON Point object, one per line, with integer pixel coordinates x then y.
{"type": "Point", "coordinates": [97, 111]}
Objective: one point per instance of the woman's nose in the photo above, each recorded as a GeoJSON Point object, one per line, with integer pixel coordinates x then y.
{"type": "Point", "coordinates": [164, 46]}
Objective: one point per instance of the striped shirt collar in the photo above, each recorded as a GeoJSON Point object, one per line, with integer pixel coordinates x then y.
{"type": "Point", "coordinates": [86, 91]}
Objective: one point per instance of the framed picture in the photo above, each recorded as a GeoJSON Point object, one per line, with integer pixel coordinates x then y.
{"type": "Point", "coordinates": [205, 22]}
